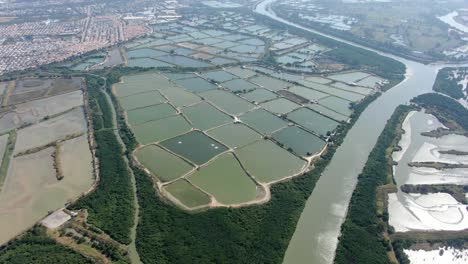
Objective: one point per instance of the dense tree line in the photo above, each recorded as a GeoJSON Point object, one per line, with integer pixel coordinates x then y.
{"type": "Point", "coordinates": [110, 206]}
{"type": "Point", "coordinates": [361, 240]}
{"type": "Point", "coordinates": [35, 247]}
{"type": "Point", "coordinates": [446, 82]}
{"type": "Point", "coordinates": [444, 108]}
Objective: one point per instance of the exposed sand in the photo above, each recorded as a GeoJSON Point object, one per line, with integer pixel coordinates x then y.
{"type": "Point", "coordinates": [437, 211]}
{"type": "Point", "coordinates": [430, 152]}
{"type": "Point", "coordinates": [433, 176]}
{"type": "Point", "coordinates": [449, 256]}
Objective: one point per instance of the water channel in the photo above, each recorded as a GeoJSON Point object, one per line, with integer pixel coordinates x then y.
{"type": "Point", "coordinates": [318, 229]}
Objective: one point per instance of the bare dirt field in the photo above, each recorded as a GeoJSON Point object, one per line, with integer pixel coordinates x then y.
{"type": "Point", "coordinates": [46, 132]}
{"type": "Point", "coordinates": [31, 188]}
{"type": "Point", "coordinates": [34, 111]}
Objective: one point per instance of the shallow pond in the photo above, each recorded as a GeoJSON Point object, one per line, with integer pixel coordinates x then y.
{"type": "Point", "coordinates": [225, 179]}
{"type": "Point", "coordinates": [194, 146]}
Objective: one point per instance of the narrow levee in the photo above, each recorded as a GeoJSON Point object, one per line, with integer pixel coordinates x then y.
{"type": "Point", "coordinates": [133, 254]}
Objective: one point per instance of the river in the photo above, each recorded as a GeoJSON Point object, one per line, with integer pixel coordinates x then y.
{"type": "Point", "coordinates": [316, 235]}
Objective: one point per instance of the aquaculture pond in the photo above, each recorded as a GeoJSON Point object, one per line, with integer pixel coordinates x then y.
{"type": "Point", "coordinates": [187, 194]}
{"type": "Point", "coordinates": [204, 116]}
{"type": "Point", "coordinates": [234, 135]}
{"type": "Point", "coordinates": [299, 141]}
{"type": "Point", "coordinates": [259, 95]}
{"type": "Point", "coordinates": [150, 113]}
{"type": "Point", "coordinates": [194, 146]}
{"type": "Point", "coordinates": [154, 131]}
{"type": "Point", "coordinates": [259, 157]}
{"type": "Point", "coordinates": [263, 121]}
{"type": "Point", "coordinates": [161, 163]}
{"type": "Point", "coordinates": [215, 138]}
{"type": "Point", "coordinates": [225, 179]}
{"type": "Point", "coordinates": [141, 100]}
{"type": "Point", "coordinates": [313, 121]}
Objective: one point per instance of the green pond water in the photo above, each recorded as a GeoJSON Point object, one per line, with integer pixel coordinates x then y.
{"type": "Point", "coordinates": [163, 164]}
{"type": "Point", "coordinates": [280, 106]}
{"type": "Point", "coordinates": [195, 85]}
{"type": "Point", "coordinates": [154, 131]}
{"type": "Point", "coordinates": [179, 97]}
{"type": "Point", "coordinates": [263, 121]}
{"type": "Point", "coordinates": [270, 83]}
{"type": "Point", "coordinates": [225, 179]}
{"type": "Point", "coordinates": [239, 85]}
{"type": "Point", "coordinates": [204, 116]}
{"type": "Point", "coordinates": [144, 53]}
{"type": "Point", "coordinates": [348, 77]}
{"type": "Point", "coordinates": [229, 102]}
{"type": "Point", "coordinates": [369, 81]}
{"type": "Point", "coordinates": [300, 141]}
{"type": "Point", "coordinates": [240, 72]}
{"type": "Point", "coordinates": [219, 76]}
{"type": "Point", "coordinates": [259, 159]}
{"type": "Point", "coordinates": [259, 95]}
{"type": "Point", "coordinates": [149, 113]}
{"type": "Point", "coordinates": [183, 61]}
{"type": "Point", "coordinates": [187, 194]}
{"type": "Point", "coordinates": [140, 83]}
{"type": "Point", "coordinates": [328, 112]}
{"type": "Point", "coordinates": [351, 88]}
{"type": "Point", "coordinates": [337, 104]}
{"type": "Point", "coordinates": [351, 96]}
{"type": "Point", "coordinates": [234, 135]}
{"type": "Point", "coordinates": [194, 146]}
{"type": "Point", "coordinates": [310, 94]}
{"type": "Point", "coordinates": [141, 100]}
{"type": "Point", "coordinates": [313, 121]}
{"type": "Point", "coordinates": [177, 76]}
{"type": "Point", "coordinates": [147, 63]}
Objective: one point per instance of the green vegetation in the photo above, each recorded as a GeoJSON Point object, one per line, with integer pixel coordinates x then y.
{"type": "Point", "coordinates": [447, 83]}
{"type": "Point", "coordinates": [7, 155]}
{"type": "Point", "coordinates": [36, 247]}
{"type": "Point", "coordinates": [163, 164]}
{"type": "Point", "coordinates": [110, 206]}
{"type": "Point", "coordinates": [166, 234]}
{"type": "Point", "coordinates": [258, 159]}
{"type": "Point", "coordinates": [444, 108]}
{"type": "Point", "coordinates": [99, 106]}
{"type": "Point", "coordinates": [187, 194]}
{"type": "Point", "coordinates": [412, 30]}
{"type": "Point", "coordinates": [226, 180]}
{"type": "Point", "coordinates": [361, 238]}
{"type": "Point", "coordinates": [357, 57]}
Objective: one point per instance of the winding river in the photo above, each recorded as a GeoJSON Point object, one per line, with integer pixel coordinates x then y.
{"type": "Point", "coordinates": [318, 229]}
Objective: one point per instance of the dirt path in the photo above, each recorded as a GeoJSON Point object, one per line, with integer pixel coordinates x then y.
{"type": "Point", "coordinates": [133, 254]}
